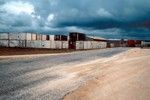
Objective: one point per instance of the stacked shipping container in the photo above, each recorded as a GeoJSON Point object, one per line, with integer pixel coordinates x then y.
{"type": "Point", "coordinates": [32, 40]}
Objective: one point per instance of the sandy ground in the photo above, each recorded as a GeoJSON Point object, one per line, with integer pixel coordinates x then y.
{"type": "Point", "coordinates": [108, 74]}
{"type": "Point", "coordinates": [123, 77]}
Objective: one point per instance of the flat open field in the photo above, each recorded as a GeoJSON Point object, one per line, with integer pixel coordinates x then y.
{"type": "Point", "coordinates": [107, 74]}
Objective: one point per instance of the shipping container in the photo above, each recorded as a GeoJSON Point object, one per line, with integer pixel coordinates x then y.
{"type": "Point", "coordinates": [58, 45]}
{"type": "Point", "coordinates": [88, 44]}
{"type": "Point", "coordinates": [34, 44]}
{"type": "Point", "coordinates": [138, 43]}
{"type": "Point", "coordinates": [38, 37]}
{"type": "Point", "coordinates": [85, 45]}
{"type": "Point", "coordinates": [52, 37]}
{"type": "Point", "coordinates": [75, 36]}
{"type": "Point", "coordinates": [22, 36]}
{"type": "Point", "coordinates": [44, 37]}
{"type": "Point", "coordinates": [145, 44]}
{"type": "Point", "coordinates": [79, 45]}
{"type": "Point", "coordinates": [13, 43]}
{"type": "Point", "coordinates": [3, 36]}
{"type": "Point", "coordinates": [28, 36]}
{"type": "Point", "coordinates": [131, 43]}
{"type": "Point", "coordinates": [45, 44]}
{"type": "Point", "coordinates": [16, 43]}
{"type": "Point", "coordinates": [72, 44]}
{"type": "Point", "coordinates": [47, 37]}
{"type": "Point", "coordinates": [33, 36]}
{"type": "Point", "coordinates": [52, 45]}
{"type": "Point", "coordinates": [65, 44]}
{"type": "Point", "coordinates": [4, 43]}
{"type": "Point", "coordinates": [61, 38]}
{"type": "Point", "coordinates": [13, 36]}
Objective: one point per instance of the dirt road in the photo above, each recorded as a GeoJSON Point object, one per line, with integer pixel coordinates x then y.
{"type": "Point", "coordinates": [118, 73]}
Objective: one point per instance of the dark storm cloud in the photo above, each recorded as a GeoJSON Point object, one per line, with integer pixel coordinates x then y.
{"type": "Point", "coordinates": [131, 17]}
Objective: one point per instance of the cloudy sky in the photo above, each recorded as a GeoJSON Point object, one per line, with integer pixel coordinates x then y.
{"type": "Point", "coordinates": [106, 18]}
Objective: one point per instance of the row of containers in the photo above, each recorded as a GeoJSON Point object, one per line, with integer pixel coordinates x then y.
{"type": "Point", "coordinates": [75, 40]}
{"type": "Point", "coordinates": [32, 40]}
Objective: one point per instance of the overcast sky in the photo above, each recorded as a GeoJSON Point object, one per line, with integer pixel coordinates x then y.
{"type": "Point", "coordinates": [106, 18]}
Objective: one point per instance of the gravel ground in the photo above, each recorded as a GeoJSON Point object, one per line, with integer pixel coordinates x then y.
{"type": "Point", "coordinates": [44, 77]}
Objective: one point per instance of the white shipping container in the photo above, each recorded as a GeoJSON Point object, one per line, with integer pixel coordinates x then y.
{"type": "Point", "coordinates": [21, 36]}
{"type": "Point", "coordinates": [28, 36]}
{"type": "Point", "coordinates": [13, 43]}
{"type": "Point", "coordinates": [43, 37]}
{"type": "Point", "coordinates": [28, 43]}
{"type": "Point", "coordinates": [79, 45]}
{"type": "Point", "coordinates": [52, 37]}
{"type": "Point", "coordinates": [58, 45]}
{"type": "Point", "coordinates": [33, 36]}
{"type": "Point", "coordinates": [52, 45]}
{"type": "Point", "coordinates": [3, 43]}
{"type": "Point", "coordinates": [95, 44]}
{"type": "Point", "coordinates": [3, 36]}
{"type": "Point", "coordinates": [37, 44]}
{"type": "Point", "coordinates": [45, 44]}
{"type": "Point", "coordinates": [104, 45]}
{"type": "Point", "coordinates": [22, 43]}
{"type": "Point", "coordinates": [13, 36]}
{"type": "Point", "coordinates": [16, 43]}
{"type": "Point", "coordinates": [85, 45]}
{"type": "Point", "coordinates": [89, 45]}
{"type": "Point", "coordinates": [65, 44]}
{"type": "Point", "coordinates": [34, 44]}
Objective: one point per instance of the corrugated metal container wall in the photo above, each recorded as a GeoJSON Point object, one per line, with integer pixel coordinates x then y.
{"type": "Point", "coordinates": [79, 45]}
{"type": "Point", "coordinates": [13, 36]}
{"type": "Point", "coordinates": [65, 44]}
{"type": "Point", "coordinates": [22, 43]}
{"type": "Point", "coordinates": [17, 43]}
{"type": "Point", "coordinates": [52, 45]}
{"type": "Point", "coordinates": [57, 38]}
{"type": "Point", "coordinates": [3, 36]}
{"type": "Point", "coordinates": [52, 37]}
{"type": "Point", "coordinates": [33, 36]}
{"type": "Point", "coordinates": [45, 44]}
{"type": "Point", "coordinates": [38, 37]}
{"type": "Point", "coordinates": [94, 44]}
{"type": "Point", "coordinates": [4, 43]}
{"type": "Point", "coordinates": [75, 36]}
{"type": "Point", "coordinates": [58, 44]}
{"type": "Point", "coordinates": [85, 45]}
{"type": "Point", "coordinates": [47, 37]}
{"type": "Point", "coordinates": [13, 43]}
{"type": "Point", "coordinates": [36, 44]}
{"type": "Point", "coordinates": [89, 44]}
{"type": "Point", "coordinates": [104, 44]}
{"type": "Point", "coordinates": [21, 36]}
{"type": "Point", "coordinates": [44, 37]}
{"type": "Point", "coordinates": [28, 36]}
{"type": "Point", "coordinates": [28, 43]}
